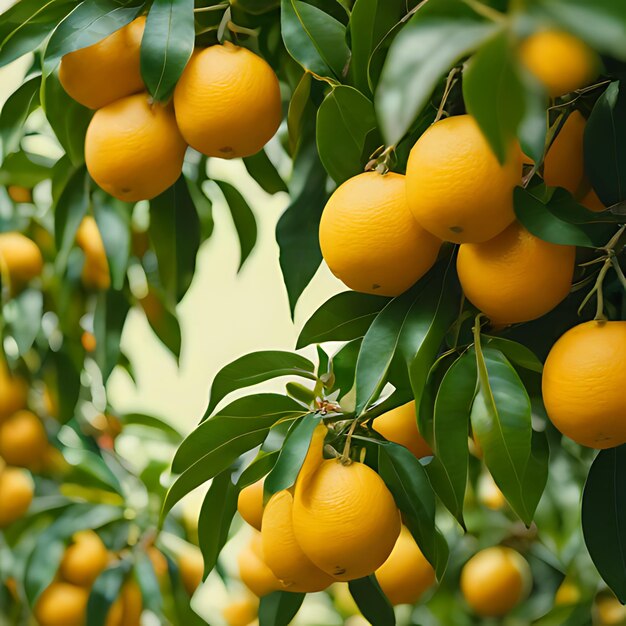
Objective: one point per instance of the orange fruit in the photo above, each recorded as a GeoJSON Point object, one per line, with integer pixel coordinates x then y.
{"type": "Point", "coordinates": [369, 238]}
{"type": "Point", "coordinates": [133, 148]}
{"type": "Point", "coordinates": [563, 165]}
{"type": "Point", "coordinates": [495, 580]}
{"type": "Point", "coordinates": [158, 560]}
{"type": "Point", "coordinates": [191, 566]}
{"type": "Point", "coordinates": [241, 612]}
{"type": "Point", "coordinates": [13, 392]}
{"type": "Point", "coordinates": [62, 604]}
{"type": "Point", "coordinates": [16, 494]}
{"type": "Point", "coordinates": [107, 70]}
{"type": "Point", "coordinates": [344, 517]}
{"type": "Point", "coordinates": [127, 609]}
{"type": "Point", "coordinates": [88, 341]}
{"type": "Point", "coordinates": [95, 274]}
{"type": "Point", "coordinates": [515, 277]}
{"type": "Point", "coordinates": [20, 259]}
{"type": "Point", "coordinates": [567, 593]}
{"type": "Point", "coordinates": [23, 440]}
{"type": "Point", "coordinates": [84, 560]}
{"type": "Point", "coordinates": [583, 384]}
{"type": "Point", "coordinates": [281, 551]}
{"type": "Point", "coordinates": [400, 426]}
{"type": "Point", "coordinates": [250, 504]}
{"type": "Point", "coordinates": [253, 571]}
{"type": "Point", "coordinates": [456, 188]}
{"type": "Point", "coordinates": [19, 194]}
{"type": "Point", "coordinates": [489, 493]}
{"type": "Point", "coordinates": [406, 574]}
{"type": "Point", "coordinates": [560, 61]}
{"type": "Point", "coordinates": [227, 102]}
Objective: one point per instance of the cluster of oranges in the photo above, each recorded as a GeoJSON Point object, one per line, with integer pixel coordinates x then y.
{"type": "Point", "coordinates": [226, 104]}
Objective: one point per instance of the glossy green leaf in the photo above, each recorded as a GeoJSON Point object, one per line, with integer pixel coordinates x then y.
{"type": "Point", "coordinates": [25, 170]}
{"type": "Point", "coordinates": [104, 592]}
{"type": "Point", "coordinates": [109, 317]}
{"type": "Point", "coordinates": [90, 22]}
{"type": "Point", "coordinates": [494, 94]}
{"type": "Point", "coordinates": [344, 366]}
{"type": "Point", "coordinates": [143, 421]}
{"type": "Point", "coordinates": [14, 113]}
{"type": "Point", "coordinates": [260, 467]}
{"type": "Point", "coordinates": [449, 468]}
{"type": "Point", "coordinates": [22, 314]}
{"type": "Point", "coordinates": [345, 120]}
{"type": "Point", "coordinates": [300, 109]}
{"type": "Point", "coordinates": [175, 235]}
{"type": "Point", "coordinates": [291, 457]}
{"type": "Point", "coordinates": [604, 517]}
{"type": "Point", "coordinates": [437, 37]}
{"type": "Point", "coordinates": [501, 422]}
{"type": "Point", "coordinates": [372, 602]}
{"type": "Point", "coordinates": [261, 168]}
{"type": "Point", "coordinates": [255, 368]}
{"type": "Point", "coordinates": [533, 128]}
{"type": "Point", "coordinates": [167, 45]}
{"type": "Point", "coordinates": [343, 317]}
{"type": "Point", "coordinates": [314, 38]}
{"type": "Point", "coordinates": [279, 608]}
{"type": "Point", "coordinates": [67, 378]}
{"type": "Point", "coordinates": [163, 320]}
{"type": "Point", "coordinates": [605, 152]}
{"type": "Point", "coordinates": [515, 352]}
{"type": "Point", "coordinates": [148, 584]}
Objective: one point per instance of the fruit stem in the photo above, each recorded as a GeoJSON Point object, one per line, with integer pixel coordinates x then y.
{"type": "Point", "coordinates": [446, 92]}
{"type": "Point", "coordinates": [215, 7]}
{"type": "Point", "coordinates": [485, 11]}
{"type": "Point", "coordinates": [345, 456]}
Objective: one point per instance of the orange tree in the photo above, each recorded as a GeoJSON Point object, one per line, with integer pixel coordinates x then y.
{"type": "Point", "coordinates": [459, 166]}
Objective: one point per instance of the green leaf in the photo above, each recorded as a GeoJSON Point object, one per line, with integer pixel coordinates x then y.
{"type": "Point", "coordinates": [494, 94]}
{"type": "Point", "coordinates": [501, 422]}
{"type": "Point", "coordinates": [67, 378]}
{"type": "Point", "coordinates": [175, 235]}
{"type": "Point", "coordinates": [343, 317]}
{"type": "Point", "coordinates": [344, 121]}
{"type": "Point", "coordinates": [602, 23]}
{"type": "Point", "coordinates": [255, 368]}
{"type": "Point", "coordinates": [297, 228]}
{"type": "Point", "coordinates": [68, 119]}
{"type": "Point", "coordinates": [69, 211]}
{"type": "Point", "coordinates": [372, 602]}
{"type": "Point", "coordinates": [264, 172]}
{"type": "Point", "coordinates": [25, 170]}
{"type": "Point", "coordinates": [605, 153]}
{"type": "Point", "coordinates": [515, 352]}
{"type": "Point", "coordinates": [109, 317]}
{"type": "Point", "coordinates": [166, 45]}
{"type": "Point", "coordinates": [148, 584]}
{"type": "Point", "coordinates": [370, 21]}
{"type": "Point", "coordinates": [162, 319]}
{"type": "Point", "coordinates": [279, 608]}
{"type": "Point", "coordinates": [260, 467]}
{"type": "Point", "coordinates": [243, 219]}
{"type": "Point", "coordinates": [300, 109]}
{"type": "Point", "coordinates": [533, 127]}
{"type": "Point", "coordinates": [406, 478]}
{"type": "Point", "coordinates": [90, 22]}
{"type": "Point", "coordinates": [604, 517]}
{"type": "Point", "coordinates": [22, 315]}
{"type": "Point", "coordinates": [14, 113]}
{"type": "Point", "coordinates": [104, 592]}
{"type": "Point", "coordinates": [449, 467]}
{"type": "Point", "coordinates": [344, 366]}
{"type": "Point", "coordinates": [154, 423]}
{"type": "Point", "coordinates": [437, 37]}
{"type": "Point", "coordinates": [314, 38]}
{"type": "Point", "coordinates": [291, 457]}
{"type": "Point", "coordinates": [25, 26]}
{"type": "Point", "coordinates": [218, 509]}
{"type": "Point", "coordinates": [542, 220]}
{"type": "Point", "coordinates": [113, 219]}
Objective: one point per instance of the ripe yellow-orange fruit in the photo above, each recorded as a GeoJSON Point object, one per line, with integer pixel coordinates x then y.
{"type": "Point", "coordinates": [133, 148]}
{"type": "Point", "coordinates": [592, 202]}
{"type": "Point", "coordinates": [95, 274]}
{"type": "Point", "coordinates": [20, 258]}
{"type": "Point", "coordinates": [489, 493]}
{"type": "Point", "coordinates": [406, 574]}
{"type": "Point", "coordinates": [567, 593]}
{"type": "Point", "coordinates": [250, 504]}
{"type": "Point", "coordinates": [583, 383]}
{"type": "Point", "coordinates": [456, 188]}
{"type": "Point", "coordinates": [107, 70]}
{"type": "Point", "coordinates": [127, 609]}
{"type": "Point", "coordinates": [560, 61]}
{"type": "Point", "coordinates": [88, 341]}
{"type": "Point", "coordinates": [191, 566]}
{"type": "Point", "coordinates": [400, 426]}
{"type": "Point", "coordinates": [62, 604]}
{"type": "Point", "coordinates": [281, 551]}
{"type": "Point", "coordinates": [563, 165]}
{"type": "Point", "coordinates": [369, 238]}
{"type": "Point", "coordinates": [227, 102]}
{"type": "Point", "coordinates": [495, 580]}
{"type": "Point", "coordinates": [23, 440]}
{"type": "Point", "coordinates": [253, 571]}
{"type": "Point", "coordinates": [241, 612]}
{"type": "Point", "coordinates": [608, 611]}
{"type": "Point", "coordinates": [84, 560]}
{"type": "Point", "coordinates": [16, 494]}
{"type": "Point", "coordinates": [19, 194]}
{"type": "Point", "coordinates": [344, 517]}
{"type": "Point", "coordinates": [158, 560]}
{"type": "Point", "coordinates": [13, 392]}
{"type": "Point", "coordinates": [515, 277]}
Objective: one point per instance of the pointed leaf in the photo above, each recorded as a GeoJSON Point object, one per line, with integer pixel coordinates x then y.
{"type": "Point", "coordinates": [14, 112]}
{"type": "Point", "coordinates": [104, 592]}
{"type": "Point", "coordinates": [279, 608]}
{"type": "Point", "coordinates": [261, 168]}
{"type": "Point", "coordinates": [372, 602]}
